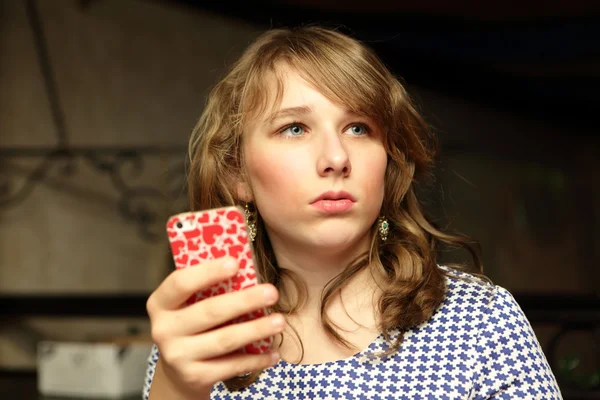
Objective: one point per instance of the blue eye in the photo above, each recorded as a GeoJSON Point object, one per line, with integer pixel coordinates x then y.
{"type": "Point", "coordinates": [294, 130]}
{"type": "Point", "coordinates": [359, 129]}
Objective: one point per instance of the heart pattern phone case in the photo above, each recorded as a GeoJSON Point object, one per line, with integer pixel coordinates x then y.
{"type": "Point", "coordinates": [205, 235]}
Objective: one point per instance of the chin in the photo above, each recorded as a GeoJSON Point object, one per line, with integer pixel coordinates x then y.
{"type": "Point", "coordinates": [337, 239]}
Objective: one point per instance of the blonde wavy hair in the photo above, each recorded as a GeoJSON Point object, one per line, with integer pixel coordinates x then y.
{"type": "Point", "coordinates": [349, 73]}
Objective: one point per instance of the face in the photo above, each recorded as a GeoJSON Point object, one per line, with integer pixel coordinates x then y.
{"type": "Point", "coordinates": [316, 171]}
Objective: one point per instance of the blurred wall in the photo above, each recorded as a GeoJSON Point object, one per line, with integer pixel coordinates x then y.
{"type": "Point", "coordinates": [523, 188]}
{"type": "Point", "coordinates": [137, 73]}
{"type": "Point", "coordinates": [129, 73]}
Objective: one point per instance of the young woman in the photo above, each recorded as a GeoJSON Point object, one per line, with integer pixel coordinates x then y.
{"type": "Point", "coordinates": [313, 134]}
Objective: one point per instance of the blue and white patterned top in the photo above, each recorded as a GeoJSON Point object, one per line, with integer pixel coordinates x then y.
{"type": "Point", "coordinates": [477, 345]}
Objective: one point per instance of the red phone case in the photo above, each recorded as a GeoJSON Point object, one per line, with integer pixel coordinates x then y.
{"type": "Point", "coordinates": [205, 235]}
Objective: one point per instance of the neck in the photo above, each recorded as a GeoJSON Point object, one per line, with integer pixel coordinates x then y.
{"type": "Point", "coordinates": [353, 309]}
{"type": "Point", "coordinates": [316, 268]}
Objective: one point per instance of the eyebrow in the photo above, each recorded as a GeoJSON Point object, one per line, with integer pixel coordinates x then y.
{"type": "Point", "coordinates": [285, 112]}
{"type": "Point", "coordinates": [300, 110]}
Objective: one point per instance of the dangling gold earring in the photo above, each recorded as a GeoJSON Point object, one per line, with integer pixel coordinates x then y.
{"type": "Point", "coordinates": [383, 228]}
{"type": "Point", "coordinates": [250, 222]}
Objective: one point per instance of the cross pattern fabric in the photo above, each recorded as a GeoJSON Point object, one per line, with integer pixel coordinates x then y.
{"type": "Point", "coordinates": [478, 345]}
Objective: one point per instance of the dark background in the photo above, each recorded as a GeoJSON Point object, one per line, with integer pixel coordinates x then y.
{"type": "Point", "coordinates": [535, 63]}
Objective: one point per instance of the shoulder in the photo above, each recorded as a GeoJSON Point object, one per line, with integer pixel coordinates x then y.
{"type": "Point", "coordinates": [506, 357]}
{"type": "Point", "coordinates": [465, 287]}
{"type": "Point", "coordinates": [489, 311]}
{"type": "Point", "coordinates": [478, 296]}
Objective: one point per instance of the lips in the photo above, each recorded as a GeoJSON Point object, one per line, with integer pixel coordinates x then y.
{"type": "Point", "coordinates": [331, 195]}
{"type": "Point", "coordinates": [334, 203]}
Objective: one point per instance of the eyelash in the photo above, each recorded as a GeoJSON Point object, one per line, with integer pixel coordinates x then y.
{"type": "Point", "coordinates": [366, 127]}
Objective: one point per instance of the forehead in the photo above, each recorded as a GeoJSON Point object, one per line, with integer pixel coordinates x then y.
{"type": "Point", "coordinates": [285, 85]}
{"type": "Point", "coordinates": [286, 88]}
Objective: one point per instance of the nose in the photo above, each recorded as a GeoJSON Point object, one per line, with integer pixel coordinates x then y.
{"type": "Point", "coordinates": [334, 158]}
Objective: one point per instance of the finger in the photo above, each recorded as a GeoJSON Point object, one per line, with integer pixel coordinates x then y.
{"type": "Point", "coordinates": [236, 364]}
{"type": "Point", "coordinates": [173, 292]}
{"type": "Point", "coordinates": [230, 338]}
{"type": "Point", "coordinates": [215, 311]}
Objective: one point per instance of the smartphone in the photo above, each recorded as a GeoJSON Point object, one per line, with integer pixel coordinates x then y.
{"type": "Point", "coordinates": [199, 236]}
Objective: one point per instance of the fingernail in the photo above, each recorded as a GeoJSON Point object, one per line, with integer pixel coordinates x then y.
{"type": "Point", "coordinates": [278, 321]}
{"type": "Point", "coordinates": [275, 356]}
{"type": "Point", "coordinates": [230, 265]}
{"type": "Point", "coordinates": [270, 295]}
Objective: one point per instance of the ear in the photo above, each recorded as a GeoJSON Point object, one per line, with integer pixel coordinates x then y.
{"type": "Point", "coordinates": [242, 191]}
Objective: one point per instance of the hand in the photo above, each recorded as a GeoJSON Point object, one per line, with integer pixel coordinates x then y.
{"type": "Point", "coordinates": [193, 354]}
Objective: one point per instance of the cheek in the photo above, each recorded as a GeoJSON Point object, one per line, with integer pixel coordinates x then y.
{"type": "Point", "coordinates": [374, 168]}
{"type": "Point", "coordinates": [275, 173]}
